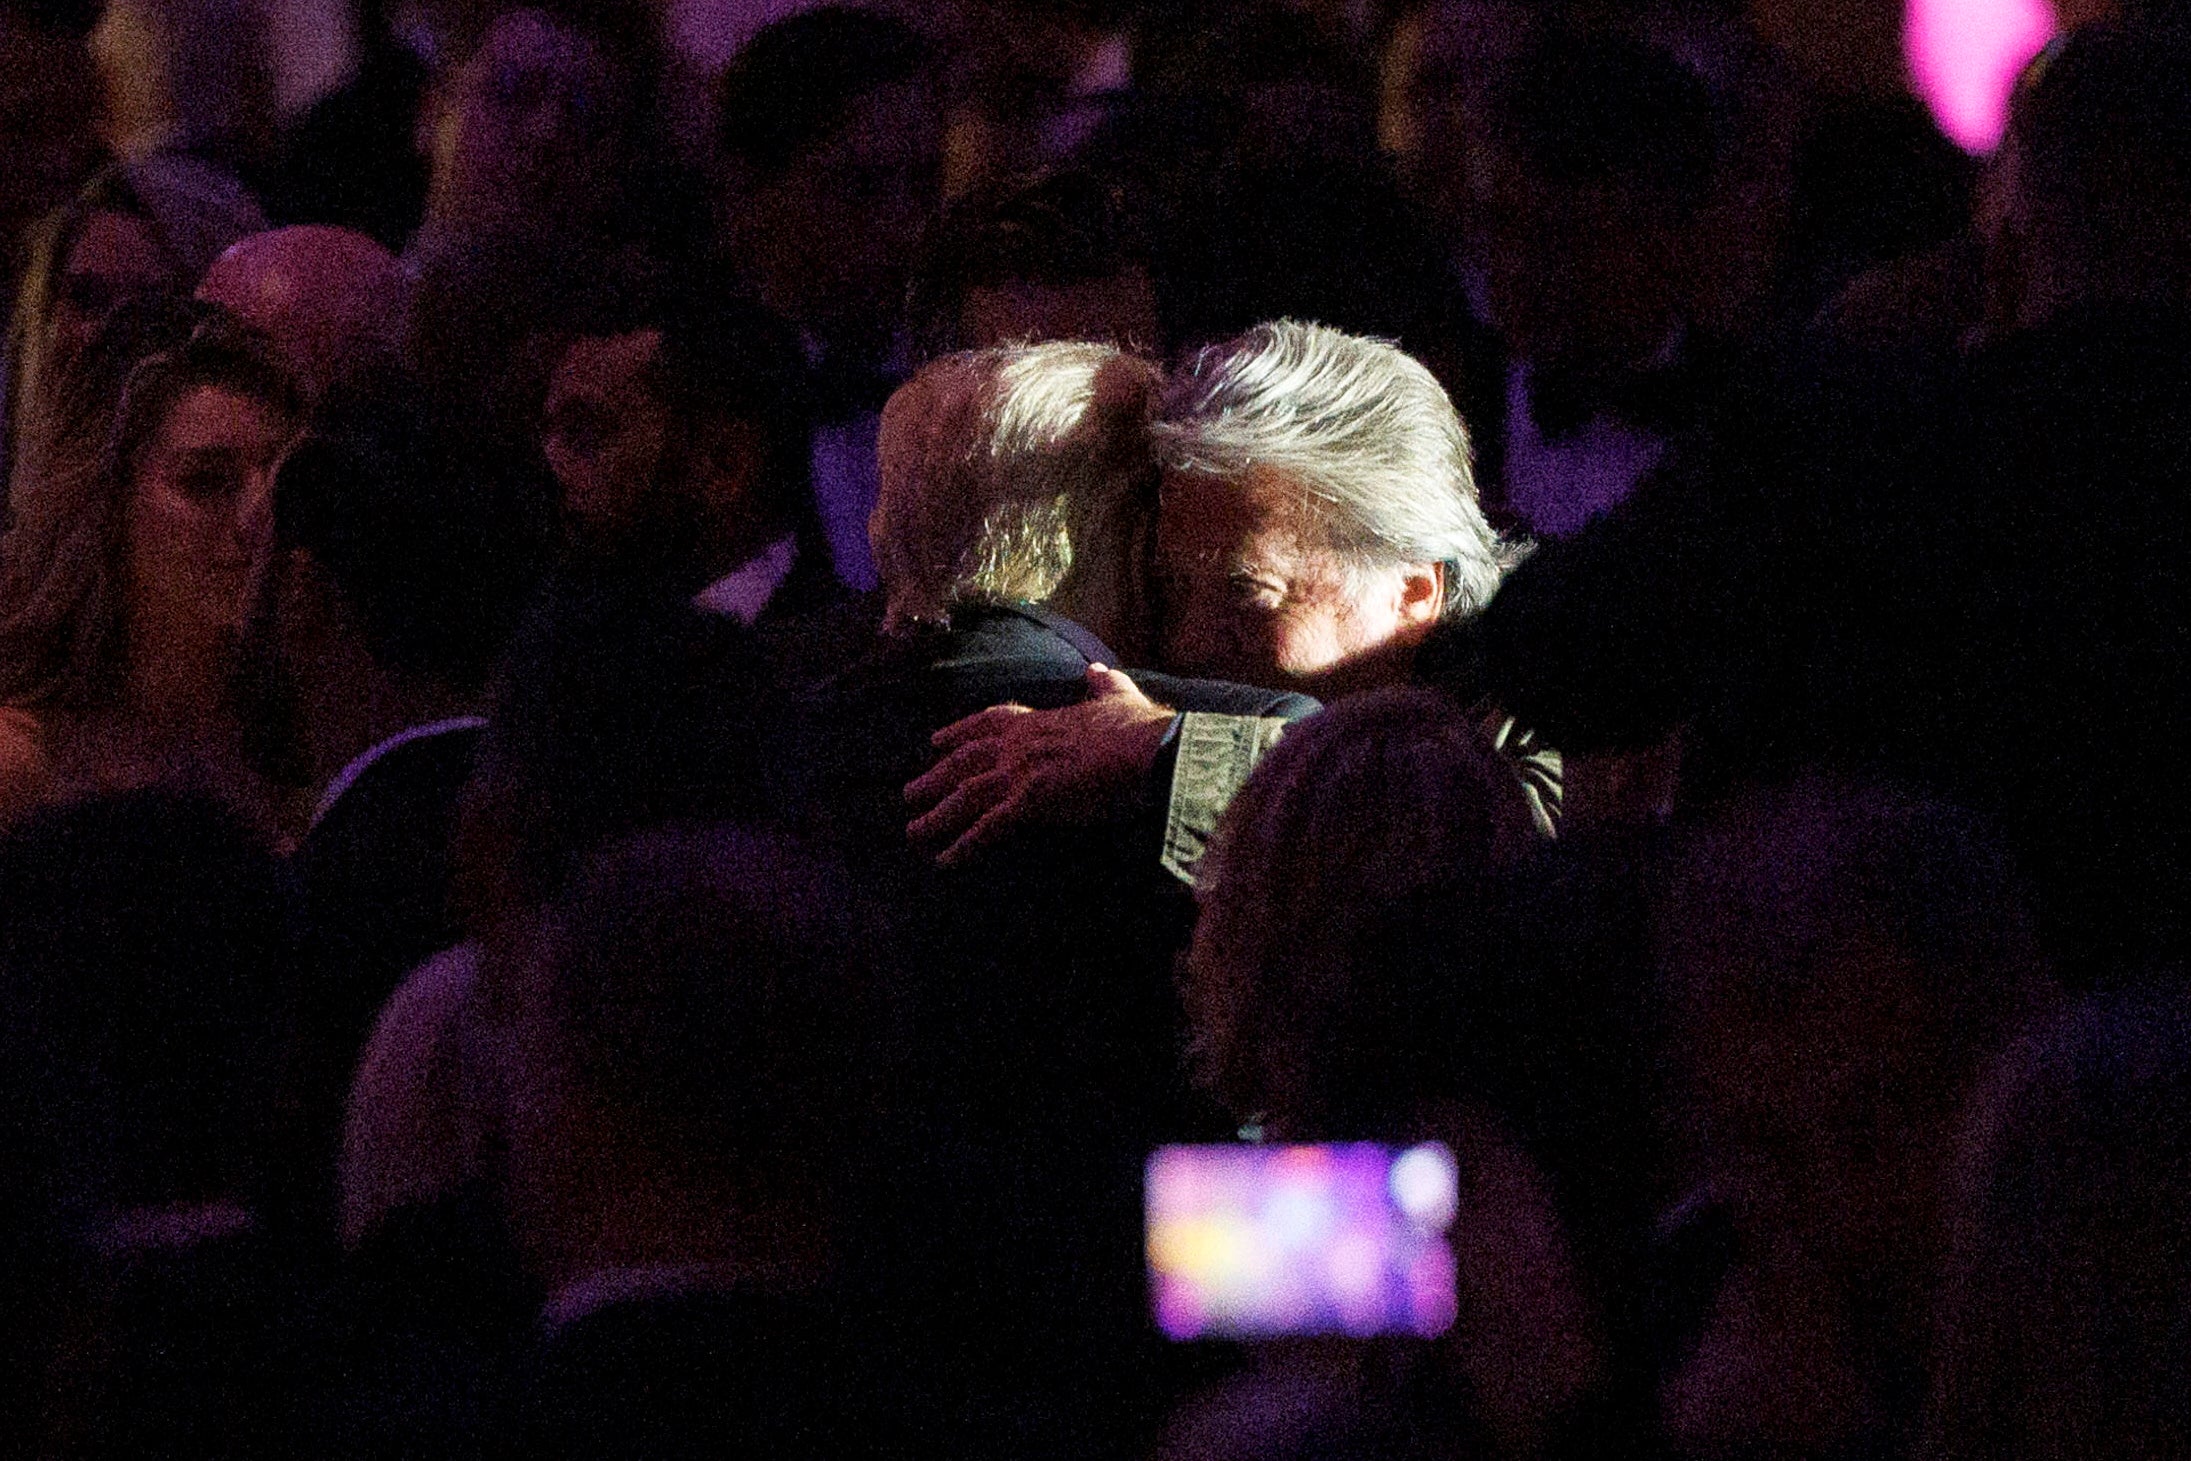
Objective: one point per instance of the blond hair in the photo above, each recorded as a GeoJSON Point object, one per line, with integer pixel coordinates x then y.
{"type": "Point", "coordinates": [1016, 473]}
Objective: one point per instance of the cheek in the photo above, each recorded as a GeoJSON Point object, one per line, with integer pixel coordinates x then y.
{"type": "Point", "coordinates": [175, 545]}
{"type": "Point", "coordinates": [637, 453]}
{"type": "Point", "coordinates": [1313, 637]}
{"type": "Point", "coordinates": [1203, 632]}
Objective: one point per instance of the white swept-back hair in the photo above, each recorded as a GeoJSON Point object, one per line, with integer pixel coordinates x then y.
{"type": "Point", "coordinates": [1362, 429]}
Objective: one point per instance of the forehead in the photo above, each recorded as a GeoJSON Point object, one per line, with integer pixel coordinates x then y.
{"type": "Point", "coordinates": [213, 417]}
{"type": "Point", "coordinates": [595, 365]}
{"type": "Point", "coordinates": [1255, 514]}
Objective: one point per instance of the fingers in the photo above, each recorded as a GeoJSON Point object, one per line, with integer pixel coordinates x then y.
{"type": "Point", "coordinates": [981, 723]}
{"type": "Point", "coordinates": [963, 809]}
{"type": "Point", "coordinates": [1104, 681]}
{"type": "Point", "coordinates": [992, 827]}
{"type": "Point", "coordinates": [941, 779]}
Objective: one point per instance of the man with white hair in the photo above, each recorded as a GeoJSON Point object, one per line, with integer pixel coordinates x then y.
{"type": "Point", "coordinates": [1318, 513]}
{"type": "Point", "coordinates": [1317, 519]}
{"type": "Point", "coordinates": [1013, 534]}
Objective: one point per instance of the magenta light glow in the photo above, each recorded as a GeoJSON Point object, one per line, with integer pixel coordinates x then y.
{"type": "Point", "coordinates": [1964, 56]}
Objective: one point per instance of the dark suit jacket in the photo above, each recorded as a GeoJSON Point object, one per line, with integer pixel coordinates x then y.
{"type": "Point", "coordinates": [699, 1375]}
{"type": "Point", "coordinates": [1970, 578]}
{"type": "Point", "coordinates": [1037, 987]}
{"type": "Point", "coordinates": [374, 879]}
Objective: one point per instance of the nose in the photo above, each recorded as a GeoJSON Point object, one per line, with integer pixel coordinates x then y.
{"type": "Point", "coordinates": [255, 517]}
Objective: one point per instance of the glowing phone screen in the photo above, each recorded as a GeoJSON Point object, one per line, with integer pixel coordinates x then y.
{"type": "Point", "coordinates": [1254, 1242]}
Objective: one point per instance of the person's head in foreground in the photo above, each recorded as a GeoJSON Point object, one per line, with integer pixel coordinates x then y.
{"type": "Point", "coordinates": [394, 582]}
{"type": "Point", "coordinates": [1354, 977]}
{"type": "Point", "coordinates": [2062, 1321]}
{"type": "Point", "coordinates": [1319, 515]}
{"type": "Point", "coordinates": [1843, 960]}
{"type": "Point", "coordinates": [1018, 474]}
{"type": "Point", "coordinates": [2089, 200]}
{"type": "Point", "coordinates": [697, 1031]}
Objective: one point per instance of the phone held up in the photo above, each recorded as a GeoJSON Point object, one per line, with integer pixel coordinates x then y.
{"type": "Point", "coordinates": [1260, 1242]}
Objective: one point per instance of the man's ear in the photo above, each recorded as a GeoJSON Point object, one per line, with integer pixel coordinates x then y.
{"type": "Point", "coordinates": [1422, 594]}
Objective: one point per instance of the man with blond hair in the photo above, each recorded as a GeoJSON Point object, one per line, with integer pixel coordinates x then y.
{"type": "Point", "coordinates": [1013, 524]}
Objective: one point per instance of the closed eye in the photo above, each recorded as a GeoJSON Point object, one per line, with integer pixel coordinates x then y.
{"type": "Point", "coordinates": [1256, 589]}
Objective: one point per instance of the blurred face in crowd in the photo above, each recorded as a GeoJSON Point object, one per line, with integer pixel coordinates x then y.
{"type": "Point", "coordinates": [1250, 592]}
{"type": "Point", "coordinates": [1120, 310]}
{"type": "Point", "coordinates": [113, 257]}
{"type": "Point", "coordinates": [831, 236]}
{"type": "Point", "coordinates": [1440, 72]}
{"type": "Point", "coordinates": [524, 132]}
{"type": "Point", "coordinates": [130, 47]}
{"type": "Point", "coordinates": [605, 429]}
{"type": "Point", "coordinates": [47, 146]}
{"type": "Point", "coordinates": [200, 517]}
{"type": "Point", "coordinates": [1580, 273]}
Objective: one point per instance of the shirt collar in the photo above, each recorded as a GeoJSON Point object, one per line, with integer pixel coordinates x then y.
{"type": "Point", "coordinates": [745, 591]}
{"type": "Point", "coordinates": [348, 776]}
{"type": "Point", "coordinates": [605, 1288]}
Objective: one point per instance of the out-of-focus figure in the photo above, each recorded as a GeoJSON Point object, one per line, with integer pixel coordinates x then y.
{"type": "Point", "coordinates": [536, 134]}
{"type": "Point", "coordinates": [1844, 962]}
{"type": "Point", "coordinates": [1062, 256]}
{"type": "Point", "coordinates": [48, 143]}
{"type": "Point", "coordinates": [2061, 1323]}
{"type": "Point", "coordinates": [355, 160]}
{"type": "Point", "coordinates": [830, 133]}
{"type": "Point", "coordinates": [137, 228]}
{"type": "Point", "coordinates": [186, 76]}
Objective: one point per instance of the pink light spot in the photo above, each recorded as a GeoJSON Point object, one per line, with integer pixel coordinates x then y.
{"type": "Point", "coordinates": [1964, 56]}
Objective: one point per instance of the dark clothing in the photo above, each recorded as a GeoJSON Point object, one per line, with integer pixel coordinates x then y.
{"type": "Point", "coordinates": [1975, 582]}
{"type": "Point", "coordinates": [375, 873]}
{"type": "Point", "coordinates": [352, 161]}
{"type": "Point", "coordinates": [201, 1346]}
{"type": "Point", "coordinates": [434, 1316]}
{"type": "Point", "coordinates": [374, 880]}
{"type": "Point", "coordinates": [700, 1375]}
{"type": "Point", "coordinates": [1046, 1045]}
